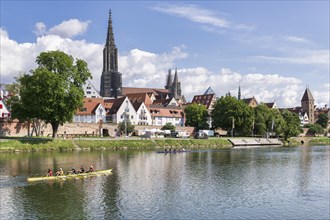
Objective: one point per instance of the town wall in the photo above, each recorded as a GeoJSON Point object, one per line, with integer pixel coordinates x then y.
{"type": "Point", "coordinates": [17, 129]}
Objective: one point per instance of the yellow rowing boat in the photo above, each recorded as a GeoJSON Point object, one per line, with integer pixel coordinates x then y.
{"type": "Point", "coordinates": [70, 176]}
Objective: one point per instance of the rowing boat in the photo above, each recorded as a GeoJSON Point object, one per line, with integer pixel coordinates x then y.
{"type": "Point", "coordinates": [70, 176]}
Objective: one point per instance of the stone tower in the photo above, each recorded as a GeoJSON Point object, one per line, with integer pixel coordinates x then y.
{"type": "Point", "coordinates": [173, 86]}
{"type": "Point", "coordinates": [111, 79]}
{"type": "Point", "coordinates": [307, 104]}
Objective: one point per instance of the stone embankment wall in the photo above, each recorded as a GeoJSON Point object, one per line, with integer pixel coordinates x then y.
{"type": "Point", "coordinates": [17, 129]}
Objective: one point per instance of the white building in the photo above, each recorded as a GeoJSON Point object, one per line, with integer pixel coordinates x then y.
{"type": "Point", "coordinates": [4, 111]}
{"type": "Point", "coordinates": [90, 91]}
{"type": "Point", "coordinates": [92, 111]}
{"type": "Point", "coordinates": [122, 108]}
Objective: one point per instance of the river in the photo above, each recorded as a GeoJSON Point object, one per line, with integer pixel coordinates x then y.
{"type": "Point", "coordinates": [252, 183]}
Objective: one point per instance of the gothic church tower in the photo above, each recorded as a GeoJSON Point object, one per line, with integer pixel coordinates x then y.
{"type": "Point", "coordinates": [307, 104]}
{"type": "Point", "coordinates": [111, 79]}
{"type": "Point", "coordinates": [173, 85]}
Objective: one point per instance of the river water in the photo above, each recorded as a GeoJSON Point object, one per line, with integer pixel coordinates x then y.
{"type": "Point", "coordinates": [254, 183]}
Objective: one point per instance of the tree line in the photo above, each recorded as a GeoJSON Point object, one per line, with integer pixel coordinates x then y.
{"type": "Point", "coordinates": [239, 119]}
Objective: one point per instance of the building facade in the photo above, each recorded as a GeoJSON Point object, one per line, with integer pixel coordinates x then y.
{"type": "Point", "coordinates": [111, 79]}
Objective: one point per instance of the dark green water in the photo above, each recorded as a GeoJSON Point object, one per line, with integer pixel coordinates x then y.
{"type": "Point", "coordinates": [255, 183]}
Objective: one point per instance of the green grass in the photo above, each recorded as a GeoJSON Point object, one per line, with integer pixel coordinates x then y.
{"type": "Point", "coordinates": [115, 144]}
{"type": "Point", "coordinates": [320, 140]}
{"type": "Point", "coordinates": [35, 145]}
{"type": "Point", "coordinates": [31, 145]}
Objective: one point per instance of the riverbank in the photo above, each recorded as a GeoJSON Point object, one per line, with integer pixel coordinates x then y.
{"type": "Point", "coordinates": [31, 145]}
{"type": "Point", "coordinates": [44, 144]}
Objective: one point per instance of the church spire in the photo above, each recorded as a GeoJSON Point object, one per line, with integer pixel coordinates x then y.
{"type": "Point", "coordinates": [169, 80]}
{"type": "Point", "coordinates": [111, 79]}
{"type": "Point", "coordinates": [110, 38]}
{"type": "Point", "coordinates": [176, 80]}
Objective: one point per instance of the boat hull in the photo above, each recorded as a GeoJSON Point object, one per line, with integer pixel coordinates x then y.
{"type": "Point", "coordinates": [70, 176]}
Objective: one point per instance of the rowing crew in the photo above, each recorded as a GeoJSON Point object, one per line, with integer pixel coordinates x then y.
{"type": "Point", "coordinates": [60, 172]}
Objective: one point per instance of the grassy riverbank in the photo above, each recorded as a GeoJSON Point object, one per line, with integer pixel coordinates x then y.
{"type": "Point", "coordinates": [42, 144]}
{"type": "Point", "coordinates": [30, 145]}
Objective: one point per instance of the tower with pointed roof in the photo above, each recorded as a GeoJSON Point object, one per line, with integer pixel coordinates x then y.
{"type": "Point", "coordinates": [307, 105]}
{"type": "Point", "coordinates": [111, 79]}
{"type": "Point", "coordinates": [173, 86]}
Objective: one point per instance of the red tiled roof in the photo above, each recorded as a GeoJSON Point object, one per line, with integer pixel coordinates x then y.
{"type": "Point", "coordinates": [140, 97]}
{"type": "Point", "coordinates": [166, 112]}
{"type": "Point", "coordinates": [89, 106]}
{"type": "Point", "coordinates": [134, 90]}
{"type": "Point", "coordinates": [204, 100]}
{"type": "Point", "coordinates": [116, 105]}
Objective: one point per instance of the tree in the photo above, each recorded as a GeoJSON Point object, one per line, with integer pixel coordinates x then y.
{"type": "Point", "coordinates": [129, 126]}
{"type": "Point", "coordinates": [315, 129]}
{"type": "Point", "coordinates": [292, 127]}
{"type": "Point", "coordinates": [168, 126]}
{"type": "Point", "coordinates": [230, 113]}
{"type": "Point", "coordinates": [53, 91]}
{"type": "Point", "coordinates": [323, 120]}
{"type": "Point", "coordinates": [268, 120]}
{"type": "Point", "coordinates": [196, 116]}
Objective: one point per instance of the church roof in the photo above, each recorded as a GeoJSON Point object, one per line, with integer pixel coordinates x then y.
{"type": "Point", "coordinates": [307, 95]}
{"type": "Point", "coordinates": [209, 91]}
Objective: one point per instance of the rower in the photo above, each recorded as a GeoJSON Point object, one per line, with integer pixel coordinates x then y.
{"type": "Point", "coordinates": [82, 170]}
{"type": "Point", "coordinates": [60, 172]}
{"type": "Point", "coordinates": [73, 171]}
{"type": "Point", "coordinates": [91, 169]}
{"type": "Point", "coordinates": [50, 172]}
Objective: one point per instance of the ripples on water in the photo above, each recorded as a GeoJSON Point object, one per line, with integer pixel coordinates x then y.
{"type": "Point", "coordinates": [258, 183]}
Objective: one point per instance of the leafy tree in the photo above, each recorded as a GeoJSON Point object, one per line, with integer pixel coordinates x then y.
{"type": "Point", "coordinates": [229, 113]}
{"type": "Point", "coordinates": [196, 116]}
{"type": "Point", "coordinates": [267, 119]}
{"type": "Point", "coordinates": [279, 122]}
{"type": "Point", "coordinates": [323, 120]}
{"type": "Point", "coordinates": [168, 126]}
{"type": "Point", "coordinates": [315, 129]}
{"type": "Point", "coordinates": [129, 126]}
{"type": "Point", "coordinates": [292, 127]}
{"type": "Point", "coordinates": [53, 91]}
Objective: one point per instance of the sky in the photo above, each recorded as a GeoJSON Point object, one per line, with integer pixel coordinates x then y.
{"type": "Point", "coordinates": [273, 50]}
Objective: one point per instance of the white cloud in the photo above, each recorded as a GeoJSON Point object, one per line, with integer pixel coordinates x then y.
{"type": "Point", "coordinates": [40, 29]}
{"type": "Point", "coordinates": [318, 57]}
{"type": "Point", "coordinates": [265, 87]}
{"type": "Point", "coordinates": [199, 15]}
{"type": "Point", "coordinates": [296, 39]}
{"type": "Point", "coordinates": [67, 29]}
{"type": "Point", "coordinates": [322, 96]}
{"type": "Point", "coordinates": [147, 69]}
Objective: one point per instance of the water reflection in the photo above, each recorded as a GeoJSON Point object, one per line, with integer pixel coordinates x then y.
{"type": "Point", "coordinates": [207, 184]}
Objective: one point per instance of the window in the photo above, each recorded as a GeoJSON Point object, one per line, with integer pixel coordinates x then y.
{"type": "Point", "coordinates": [89, 92]}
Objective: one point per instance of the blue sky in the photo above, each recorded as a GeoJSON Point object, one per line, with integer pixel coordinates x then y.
{"type": "Point", "coordinates": [273, 49]}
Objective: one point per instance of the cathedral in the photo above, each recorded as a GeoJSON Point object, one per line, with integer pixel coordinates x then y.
{"type": "Point", "coordinates": [173, 85]}
{"type": "Point", "coordinates": [111, 79]}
